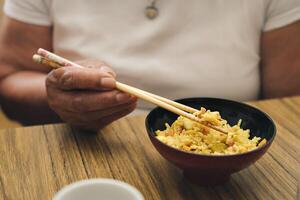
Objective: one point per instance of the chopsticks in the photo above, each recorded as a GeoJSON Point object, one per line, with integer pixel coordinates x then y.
{"type": "Point", "coordinates": [54, 61]}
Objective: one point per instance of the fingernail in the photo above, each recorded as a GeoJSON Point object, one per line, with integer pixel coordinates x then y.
{"type": "Point", "coordinates": [108, 83]}
{"type": "Point", "coordinates": [122, 97]}
{"type": "Point", "coordinates": [108, 70]}
{"type": "Point", "coordinates": [66, 79]}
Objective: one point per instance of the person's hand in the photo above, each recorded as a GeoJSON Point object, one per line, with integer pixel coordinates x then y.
{"type": "Point", "coordinates": [87, 98]}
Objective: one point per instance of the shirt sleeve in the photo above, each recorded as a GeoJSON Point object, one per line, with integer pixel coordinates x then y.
{"type": "Point", "coordinates": [281, 13]}
{"type": "Point", "coordinates": [29, 11]}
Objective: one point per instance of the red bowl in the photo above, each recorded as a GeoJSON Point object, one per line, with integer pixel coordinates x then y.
{"type": "Point", "coordinates": [207, 170]}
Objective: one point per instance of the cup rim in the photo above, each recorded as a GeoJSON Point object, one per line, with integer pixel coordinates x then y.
{"type": "Point", "coordinates": [151, 133]}
{"type": "Point", "coordinates": [107, 181]}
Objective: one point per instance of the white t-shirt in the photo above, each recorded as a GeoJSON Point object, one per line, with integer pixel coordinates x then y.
{"type": "Point", "coordinates": [194, 48]}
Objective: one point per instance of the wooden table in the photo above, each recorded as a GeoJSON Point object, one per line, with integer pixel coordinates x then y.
{"type": "Point", "coordinates": [36, 162]}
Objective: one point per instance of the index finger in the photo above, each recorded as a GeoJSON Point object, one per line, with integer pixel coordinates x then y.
{"type": "Point", "coordinates": [96, 64]}
{"type": "Point", "coordinates": [70, 78]}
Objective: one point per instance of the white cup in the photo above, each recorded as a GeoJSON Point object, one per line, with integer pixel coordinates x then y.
{"type": "Point", "coordinates": [99, 189]}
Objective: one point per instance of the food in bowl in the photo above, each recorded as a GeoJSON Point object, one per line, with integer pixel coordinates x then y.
{"type": "Point", "coordinates": [209, 169]}
{"type": "Point", "coordinates": [191, 136]}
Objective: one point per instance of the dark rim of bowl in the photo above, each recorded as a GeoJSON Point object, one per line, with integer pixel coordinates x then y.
{"type": "Point", "coordinates": [212, 155]}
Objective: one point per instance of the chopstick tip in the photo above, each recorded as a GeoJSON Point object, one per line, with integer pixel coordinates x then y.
{"type": "Point", "coordinates": [37, 58]}
{"type": "Point", "coordinates": [42, 52]}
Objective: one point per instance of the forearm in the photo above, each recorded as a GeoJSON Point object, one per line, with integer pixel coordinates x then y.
{"type": "Point", "coordinates": [282, 82]}
{"type": "Point", "coordinates": [281, 62]}
{"type": "Point", "coordinates": [23, 98]}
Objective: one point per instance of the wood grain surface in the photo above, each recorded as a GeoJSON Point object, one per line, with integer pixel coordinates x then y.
{"type": "Point", "coordinates": [36, 162]}
{"type": "Point", "coordinates": [6, 122]}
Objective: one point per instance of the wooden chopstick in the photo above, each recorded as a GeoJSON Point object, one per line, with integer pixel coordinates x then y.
{"type": "Point", "coordinates": [55, 65]}
{"type": "Point", "coordinates": [46, 57]}
{"type": "Point", "coordinates": [168, 101]}
{"type": "Point", "coordinates": [55, 61]}
{"type": "Point", "coordinates": [42, 60]}
{"type": "Point", "coordinates": [136, 92]}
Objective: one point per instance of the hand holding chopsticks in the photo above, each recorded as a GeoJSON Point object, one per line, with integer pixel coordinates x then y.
{"type": "Point", "coordinates": [55, 61]}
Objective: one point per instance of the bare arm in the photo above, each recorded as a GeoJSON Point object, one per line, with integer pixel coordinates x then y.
{"type": "Point", "coordinates": [281, 62]}
{"type": "Point", "coordinates": [85, 98]}
{"type": "Point", "coordinates": [22, 82]}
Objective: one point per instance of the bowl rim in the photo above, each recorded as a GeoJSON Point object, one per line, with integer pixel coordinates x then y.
{"type": "Point", "coordinates": [212, 155]}
{"type": "Point", "coordinates": [100, 182]}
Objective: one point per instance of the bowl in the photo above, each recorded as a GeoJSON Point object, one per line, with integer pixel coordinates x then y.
{"type": "Point", "coordinates": [208, 170]}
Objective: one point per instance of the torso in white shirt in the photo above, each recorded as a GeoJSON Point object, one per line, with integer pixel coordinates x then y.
{"type": "Point", "coordinates": [192, 49]}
